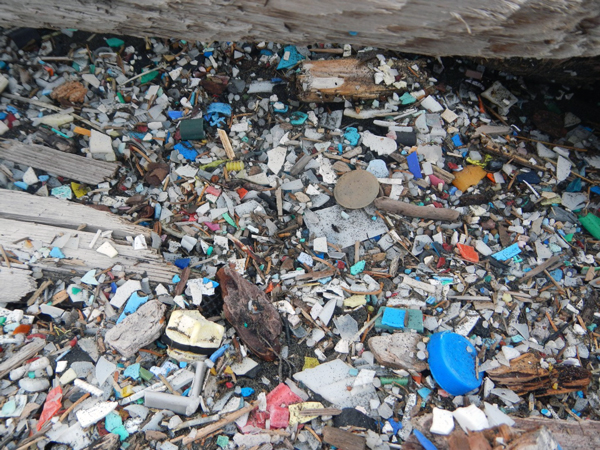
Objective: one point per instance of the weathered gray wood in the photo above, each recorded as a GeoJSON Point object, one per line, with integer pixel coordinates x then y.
{"type": "Point", "coordinates": [343, 439]}
{"type": "Point", "coordinates": [25, 207]}
{"type": "Point", "coordinates": [488, 28]}
{"type": "Point", "coordinates": [21, 356]}
{"type": "Point", "coordinates": [14, 236]}
{"type": "Point", "coordinates": [55, 162]}
{"type": "Point", "coordinates": [15, 283]}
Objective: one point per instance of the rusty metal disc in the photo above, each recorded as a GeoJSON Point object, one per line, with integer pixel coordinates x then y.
{"type": "Point", "coordinates": [356, 189]}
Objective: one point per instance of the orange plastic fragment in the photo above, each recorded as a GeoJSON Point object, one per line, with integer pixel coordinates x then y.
{"type": "Point", "coordinates": [242, 192]}
{"type": "Point", "coordinates": [82, 131]}
{"type": "Point", "coordinates": [469, 176]}
{"type": "Point", "coordinates": [468, 253]}
{"type": "Point", "coordinates": [22, 329]}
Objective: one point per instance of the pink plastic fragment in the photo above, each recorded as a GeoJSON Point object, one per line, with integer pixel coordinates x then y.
{"type": "Point", "coordinates": [277, 412]}
{"type": "Point", "coordinates": [213, 191]}
{"type": "Point", "coordinates": [213, 226]}
{"type": "Point", "coordinates": [435, 181]}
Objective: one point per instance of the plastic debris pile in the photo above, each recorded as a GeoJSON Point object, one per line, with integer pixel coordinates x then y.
{"type": "Point", "coordinates": [269, 258]}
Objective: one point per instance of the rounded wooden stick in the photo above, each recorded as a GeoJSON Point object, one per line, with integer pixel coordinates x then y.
{"type": "Point", "coordinates": [421, 212]}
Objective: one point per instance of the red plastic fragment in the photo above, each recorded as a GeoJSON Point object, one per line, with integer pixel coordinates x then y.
{"type": "Point", "coordinates": [51, 407]}
{"type": "Point", "coordinates": [242, 193]}
{"type": "Point", "coordinates": [468, 253]}
{"type": "Point", "coordinates": [441, 262]}
{"type": "Point", "coordinates": [22, 329]}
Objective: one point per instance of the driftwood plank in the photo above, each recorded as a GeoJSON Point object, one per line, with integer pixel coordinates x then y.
{"type": "Point", "coordinates": [485, 28]}
{"type": "Point", "coordinates": [15, 283]}
{"type": "Point", "coordinates": [21, 356]}
{"type": "Point", "coordinates": [14, 236]}
{"type": "Point", "coordinates": [61, 213]}
{"type": "Point", "coordinates": [55, 162]}
{"type": "Point", "coordinates": [343, 439]}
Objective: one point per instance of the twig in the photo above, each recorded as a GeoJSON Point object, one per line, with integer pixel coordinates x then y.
{"type": "Point", "coordinates": [72, 407]}
{"type": "Point", "coordinates": [5, 256]}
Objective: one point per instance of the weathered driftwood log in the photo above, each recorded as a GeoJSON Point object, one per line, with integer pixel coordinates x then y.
{"type": "Point", "coordinates": [421, 212]}
{"type": "Point", "coordinates": [487, 28]}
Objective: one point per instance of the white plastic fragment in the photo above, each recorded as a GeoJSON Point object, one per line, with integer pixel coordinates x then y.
{"type": "Point", "coordinates": [443, 422]}
{"type": "Point", "coordinates": [101, 146]}
{"type": "Point", "coordinates": [99, 411]}
{"type": "Point", "coordinates": [108, 250]}
{"type": "Point", "coordinates": [471, 418]}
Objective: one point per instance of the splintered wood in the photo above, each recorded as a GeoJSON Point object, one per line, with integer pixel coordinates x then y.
{"type": "Point", "coordinates": [526, 374]}
{"type": "Point", "coordinates": [75, 167]}
{"type": "Point", "coordinates": [323, 81]}
{"type": "Point", "coordinates": [226, 143]}
{"type": "Point", "coordinates": [27, 222]}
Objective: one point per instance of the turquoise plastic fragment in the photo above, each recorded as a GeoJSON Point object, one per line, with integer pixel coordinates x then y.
{"type": "Point", "coordinates": [407, 99]}
{"type": "Point", "coordinates": [114, 42]}
{"type": "Point", "coordinates": [291, 57]}
{"type": "Point", "coordinates": [132, 371]}
{"type": "Point", "coordinates": [415, 321]}
{"type": "Point", "coordinates": [56, 253]}
{"type": "Point", "coordinates": [508, 252]}
{"type": "Point", "coordinates": [358, 267]}
{"type": "Point", "coordinates": [352, 136]}
{"type": "Point", "coordinates": [297, 118]}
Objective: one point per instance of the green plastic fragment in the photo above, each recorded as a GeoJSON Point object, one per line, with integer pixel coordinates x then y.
{"type": "Point", "coordinates": [229, 220]}
{"type": "Point", "coordinates": [31, 374]}
{"type": "Point", "coordinates": [75, 290]}
{"type": "Point", "coordinates": [393, 380]}
{"type": "Point", "coordinates": [213, 164]}
{"type": "Point", "coordinates": [192, 129]}
{"type": "Point", "coordinates": [147, 77]}
{"type": "Point", "coordinates": [146, 374]}
{"type": "Point", "coordinates": [569, 237]}
{"type": "Point", "coordinates": [2, 320]}
{"type": "Point", "coordinates": [209, 251]}
{"type": "Point", "coordinates": [115, 42]}
{"type": "Point", "coordinates": [76, 66]}
{"type": "Point", "coordinates": [358, 267]}
{"type": "Point", "coordinates": [92, 69]}
{"type": "Point", "coordinates": [222, 441]}
{"type": "Point", "coordinates": [120, 97]}
{"type": "Point", "coordinates": [591, 223]}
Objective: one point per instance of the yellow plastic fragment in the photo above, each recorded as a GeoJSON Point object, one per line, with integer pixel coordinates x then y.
{"type": "Point", "coordinates": [79, 189]}
{"type": "Point", "coordinates": [295, 416]}
{"type": "Point", "coordinates": [310, 363]}
{"type": "Point", "coordinates": [355, 300]}
{"type": "Point", "coordinates": [127, 391]}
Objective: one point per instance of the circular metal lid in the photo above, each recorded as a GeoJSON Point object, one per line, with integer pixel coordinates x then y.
{"type": "Point", "coordinates": [356, 189]}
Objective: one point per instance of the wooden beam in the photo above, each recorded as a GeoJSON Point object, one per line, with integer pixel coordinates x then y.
{"type": "Point", "coordinates": [343, 439]}
{"type": "Point", "coordinates": [481, 28]}
{"type": "Point", "coordinates": [14, 236]}
{"type": "Point", "coordinates": [25, 207]}
{"type": "Point", "coordinates": [16, 283]}
{"type": "Point", "coordinates": [75, 167]}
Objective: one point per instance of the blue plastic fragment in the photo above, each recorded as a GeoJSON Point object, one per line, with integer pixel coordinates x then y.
{"type": "Point", "coordinates": [12, 109]}
{"type": "Point", "coordinates": [530, 177]}
{"type": "Point", "coordinates": [353, 33]}
{"type": "Point", "coordinates": [425, 443]}
{"type": "Point", "coordinates": [413, 165]}
{"type": "Point", "coordinates": [457, 141]}
{"type": "Point", "coordinates": [218, 353]}
{"type": "Point", "coordinates": [176, 279]}
{"type": "Point", "coordinates": [157, 211]}
{"type": "Point", "coordinates": [452, 363]}
{"type": "Point", "coordinates": [21, 185]}
{"type": "Point", "coordinates": [134, 302]}
{"type": "Point", "coordinates": [557, 274]}
{"type": "Point", "coordinates": [396, 425]}
{"type": "Point", "coordinates": [424, 393]}
{"type": "Point", "coordinates": [214, 113]}
{"type": "Point", "coordinates": [3, 116]}
{"type": "Point", "coordinates": [186, 150]}
{"type": "Point", "coordinates": [112, 421]}
{"type": "Point", "coordinates": [57, 253]}
{"type": "Point", "coordinates": [182, 263]}
{"type": "Point", "coordinates": [507, 253]}
{"type": "Point", "coordinates": [43, 178]}
{"type": "Point", "coordinates": [175, 114]}
{"type": "Point", "coordinates": [247, 391]}
{"type": "Point", "coordinates": [595, 189]}
{"type": "Point", "coordinates": [280, 110]}
{"type": "Point", "coordinates": [2, 64]}
{"type": "Point", "coordinates": [393, 317]}
{"type": "Point", "coordinates": [132, 371]}
{"type": "Point", "coordinates": [352, 136]}
{"type": "Point", "coordinates": [575, 185]}
{"type": "Point", "coordinates": [293, 58]}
